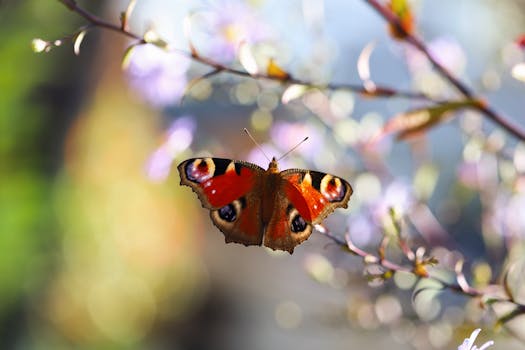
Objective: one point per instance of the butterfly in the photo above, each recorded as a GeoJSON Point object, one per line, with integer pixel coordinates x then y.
{"type": "Point", "coordinates": [254, 206]}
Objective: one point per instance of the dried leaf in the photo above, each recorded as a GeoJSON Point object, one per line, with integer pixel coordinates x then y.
{"type": "Point", "coordinates": [460, 277]}
{"type": "Point", "coordinates": [124, 16]}
{"type": "Point", "coordinates": [126, 58]}
{"type": "Point", "coordinates": [401, 8]}
{"type": "Point", "coordinates": [274, 71]}
{"type": "Point", "coordinates": [77, 41]}
{"type": "Point", "coordinates": [152, 37]}
{"type": "Point", "coordinates": [247, 59]}
{"type": "Point", "coordinates": [187, 33]}
{"type": "Point", "coordinates": [518, 311]}
{"type": "Point", "coordinates": [292, 92]}
{"type": "Point", "coordinates": [363, 66]}
{"type": "Point", "coordinates": [416, 122]}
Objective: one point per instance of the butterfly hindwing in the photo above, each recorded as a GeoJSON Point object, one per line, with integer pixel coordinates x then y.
{"type": "Point", "coordinates": [315, 194]}
{"type": "Point", "coordinates": [226, 188]}
{"type": "Point", "coordinates": [304, 199]}
{"type": "Point", "coordinates": [286, 228]}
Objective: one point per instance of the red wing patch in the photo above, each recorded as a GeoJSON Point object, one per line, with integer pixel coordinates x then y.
{"type": "Point", "coordinates": [304, 197]}
{"type": "Point", "coordinates": [223, 189]}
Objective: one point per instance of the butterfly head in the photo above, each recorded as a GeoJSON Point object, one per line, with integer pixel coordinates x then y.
{"type": "Point", "coordinates": [273, 168]}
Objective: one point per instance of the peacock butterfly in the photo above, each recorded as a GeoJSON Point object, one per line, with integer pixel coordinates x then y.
{"type": "Point", "coordinates": [254, 206]}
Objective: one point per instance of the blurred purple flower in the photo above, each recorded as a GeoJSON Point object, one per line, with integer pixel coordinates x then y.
{"type": "Point", "coordinates": [230, 23]}
{"type": "Point", "coordinates": [362, 228]}
{"type": "Point", "coordinates": [286, 135]}
{"type": "Point", "coordinates": [398, 196]}
{"type": "Point", "coordinates": [158, 76]}
{"type": "Point", "coordinates": [369, 221]}
{"type": "Point", "coordinates": [445, 50]}
{"type": "Point", "coordinates": [449, 53]}
{"type": "Point", "coordinates": [502, 217]}
{"type": "Point", "coordinates": [256, 156]}
{"type": "Point", "coordinates": [178, 138]}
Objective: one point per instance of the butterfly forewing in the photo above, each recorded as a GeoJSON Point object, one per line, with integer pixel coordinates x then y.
{"type": "Point", "coordinates": [226, 188]}
{"type": "Point", "coordinates": [218, 181]}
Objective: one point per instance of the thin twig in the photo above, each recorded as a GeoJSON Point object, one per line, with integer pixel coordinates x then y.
{"type": "Point", "coordinates": [392, 266]}
{"type": "Point", "coordinates": [410, 38]}
{"type": "Point", "coordinates": [379, 91]}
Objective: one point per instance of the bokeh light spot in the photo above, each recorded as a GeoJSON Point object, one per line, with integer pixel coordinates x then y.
{"type": "Point", "coordinates": [388, 309]}
{"type": "Point", "coordinates": [261, 120]}
{"type": "Point", "coordinates": [404, 280]}
{"type": "Point", "coordinates": [288, 315]}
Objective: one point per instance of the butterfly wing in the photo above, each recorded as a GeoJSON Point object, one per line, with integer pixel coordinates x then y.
{"type": "Point", "coordinates": [304, 199]}
{"type": "Point", "coordinates": [228, 189]}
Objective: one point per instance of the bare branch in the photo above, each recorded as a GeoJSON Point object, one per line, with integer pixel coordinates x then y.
{"type": "Point", "coordinates": [484, 108]}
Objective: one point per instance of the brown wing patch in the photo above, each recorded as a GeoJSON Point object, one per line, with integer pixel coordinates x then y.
{"type": "Point", "coordinates": [287, 228]}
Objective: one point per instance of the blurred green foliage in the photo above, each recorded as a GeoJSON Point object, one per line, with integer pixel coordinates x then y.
{"type": "Point", "coordinates": [26, 121]}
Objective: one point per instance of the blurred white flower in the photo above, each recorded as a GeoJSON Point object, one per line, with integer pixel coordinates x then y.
{"type": "Point", "coordinates": [286, 135]}
{"type": "Point", "coordinates": [468, 344]}
{"type": "Point", "coordinates": [178, 138]}
{"type": "Point", "coordinates": [159, 76]}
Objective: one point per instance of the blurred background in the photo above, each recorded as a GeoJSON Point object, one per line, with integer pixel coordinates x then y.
{"type": "Point", "coordinates": [101, 247]}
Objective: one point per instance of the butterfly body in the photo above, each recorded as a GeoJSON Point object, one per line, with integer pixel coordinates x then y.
{"type": "Point", "coordinates": [254, 206]}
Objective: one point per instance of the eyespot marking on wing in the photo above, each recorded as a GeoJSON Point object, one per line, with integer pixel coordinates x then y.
{"type": "Point", "coordinates": [295, 220]}
{"type": "Point", "coordinates": [229, 213]}
{"type": "Point", "coordinates": [332, 188]}
{"type": "Point", "coordinates": [200, 170]}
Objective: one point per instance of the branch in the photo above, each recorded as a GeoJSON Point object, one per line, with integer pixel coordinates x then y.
{"type": "Point", "coordinates": [391, 18]}
{"type": "Point", "coordinates": [378, 91]}
{"type": "Point", "coordinates": [460, 287]}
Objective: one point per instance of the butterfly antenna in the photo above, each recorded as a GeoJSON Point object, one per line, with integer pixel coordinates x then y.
{"type": "Point", "coordinates": [293, 149]}
{"type": "Point", "coordinates": [256, 143]}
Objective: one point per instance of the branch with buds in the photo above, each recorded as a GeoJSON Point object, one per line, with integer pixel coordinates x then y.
{"type": "Point", "coordinates": [419, 264]}
{"type": "Point", "coordinates": [275, 73]}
